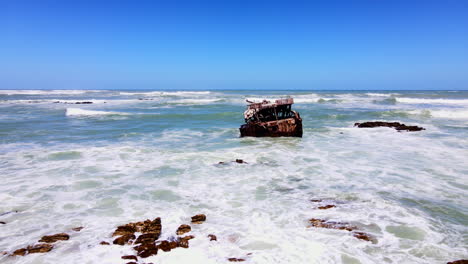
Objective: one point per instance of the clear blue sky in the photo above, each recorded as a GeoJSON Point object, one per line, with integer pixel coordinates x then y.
{"type": "Point", "coordinates": [374, 44]}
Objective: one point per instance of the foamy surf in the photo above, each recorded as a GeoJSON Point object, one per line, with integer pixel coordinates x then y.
{"type": "Point", "coordinates": [83, 112]}
{"type": "Point", "coordinates": [432, 101]}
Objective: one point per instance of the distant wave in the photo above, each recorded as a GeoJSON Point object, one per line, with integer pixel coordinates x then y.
{"type": "Point", "coordinates": [447, 114]}
{"type": "Point", "coordinates": [82, 112]}
{"type": "Point", "coordinates": [195, 101]}
{"type": "Point", "coordinates": [380, 94]}
{"type": "Point", "coordinates": [44, 92]}
{"type": "Point", "coordinates": [160, 93]}
{"type": "Point", "coordinates": [432, 101]}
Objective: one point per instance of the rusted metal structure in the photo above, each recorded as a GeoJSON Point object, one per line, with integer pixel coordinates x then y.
{"type": "Point", "coordinates": [271, 119]}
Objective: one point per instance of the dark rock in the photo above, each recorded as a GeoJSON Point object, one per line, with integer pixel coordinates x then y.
{"type": "Point", "coordinates": [461, 261]}
{"type": "Point", "coordinates": [146, 250]}
{"type": "Point", "coordinates": [2, 223]}
{"type": "Point", "coordinates": [77, 229]}
{"type": "Point", "coordinates": [326, 206]}
{"type": "Point", "coordinates": [125, 239]}
{"type": "Point", "coordinates": [396, 125]}
{"type": "Point", "coordinates": [198, 219]}
{"type": "Point", "coordinates": [132, 262]}
{"type": "Point", "coordinates": [20, 252]}
{"type": "Point", "coordinates": [316, 200]}
{"type": "Point", "coordinates": [54, 238]}
{"type": "Point", "coordinates": [240, 161]}
{"type": "Point", "coordinates": [173, 244]}
{"type": "Point", "coordinates": [104, 243]}
{"type": "Point", "coordinates": [236, 259]}
{"type": "Point", "coordinates": [165, 246]}
{"type": "Point", "coordinates": [130, 257]}
{"type": "Point", "coordinates": [212, 237]}
{"type": "Point", "coordinates": [147, 238]}
{"type": "Point", "coordinates": [83, 102]}
{"type": "Point", "coordinates": [183, 229]}
{"type": "Point", "coordinates": [147, 226]}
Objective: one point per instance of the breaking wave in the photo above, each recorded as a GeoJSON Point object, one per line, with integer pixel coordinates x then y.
{"type": "Point", "coordinates": [82, 112]}
{"type": "Point", "coordinates": [432, 101]}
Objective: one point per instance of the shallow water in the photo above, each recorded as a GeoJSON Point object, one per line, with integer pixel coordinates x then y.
{"type": "Point", "coordinates": [133, 155]}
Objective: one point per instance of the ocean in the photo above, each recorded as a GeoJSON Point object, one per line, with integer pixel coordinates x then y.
{"type": "Point", "coordinates": [127, 156]}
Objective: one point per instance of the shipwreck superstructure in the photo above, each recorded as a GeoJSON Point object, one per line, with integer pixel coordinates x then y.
{"type": "Point", "coordinates": [271, 119]}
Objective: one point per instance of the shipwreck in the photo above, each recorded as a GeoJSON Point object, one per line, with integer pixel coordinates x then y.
{"type": "Point", "coordinates": [271, 119]}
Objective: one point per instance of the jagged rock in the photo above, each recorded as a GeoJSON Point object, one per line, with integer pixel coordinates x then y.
{"type": "Point", "coordinates": [398, 126]}
{"type": "Point", "coordinates": [104, 243]}
{"type": "Point", "coordinates": [461, 261]}
{"type": "Point", "coordinates": [39, 248]}
{"type": "Point", "coordinates": [124, 230]}
{"type": "Point", "coordinates": [146, 250]}
{"type": "Point", "coordinates": [77, 229]}
{"type": "Point", "coordinates": [236, 259]}
{"type": "Point", "coordinates": [342, 226]}
{"type": "Point", "coordinates": [326, 206]}
{"type": "Point", "coordinates": [183, 229]}
{"type": "Point", "coordinates": [147, 238]}
{"type": "Point", "coordinates": [212, 237]}
{"type": "Point", "coordinates": [130, 257]}
{"type": "Point", "coordinates": [331, 225]}
{"type": "Point", "coordinates": [198, 219]}
{"type": "Point", "coordinates": [125, 239]}
{"type": "Point", "coordinates": [54, 238]}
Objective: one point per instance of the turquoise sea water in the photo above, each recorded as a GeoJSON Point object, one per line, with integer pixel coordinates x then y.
{"type": "Point", "coordinates": [132, 155]}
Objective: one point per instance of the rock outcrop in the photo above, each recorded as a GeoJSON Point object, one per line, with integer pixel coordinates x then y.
{"type": "Point", "coordinates": [396, 125]}
{"type": "Point", "coordinates": [198, 219]}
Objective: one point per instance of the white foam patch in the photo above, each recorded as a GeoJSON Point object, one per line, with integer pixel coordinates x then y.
{"type": "Point", "coordinates": [161, 93]}
{"type": "Point", "coordinates": [83, 112]}
{"type": "Point", "coordinates": [442, 114]}
{"type": "Point", "coordinates": [432, 101]}
{"type": "Point", "coordinates": [195, 101]}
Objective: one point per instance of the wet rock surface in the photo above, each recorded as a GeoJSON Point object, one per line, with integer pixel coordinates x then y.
{"type": "Point", "coordinates": [104, 243]}
{"type": "Point", "coordinates": [396, 125]}
{"type": "Point", "coordinates": [212, 237]}
{"type": "Point", "coordinates": [198, 219]}
{"type": "Point", "coordinates": [326, 206]}
{"type": "Point", "coordinates": [39, 248]}
{"type": "Point", "coordinates": [2, 223]}
{"type": "Point", "coordinates": [183, 229]}
{"type": "Point", "coordinates": [54, 238]}
{"type": "Point", "coordinates": [125, 239]}
{"type": "Point", "coordinates": [130, 257]}
{"type": "Point", "coordinates": [461, 261]}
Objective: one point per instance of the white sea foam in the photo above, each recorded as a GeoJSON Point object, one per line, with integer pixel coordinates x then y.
{"type": "Point", "coordinates": [443, 113]}
{"type": "Point", "coordinates": [432, 101]}
{"type": "Point", "coordinates": [83, 112]}
{"type": "Point", "coordinates": [195, 101]}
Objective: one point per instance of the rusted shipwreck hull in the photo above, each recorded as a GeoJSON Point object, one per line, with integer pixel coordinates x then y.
{"type": "Point", "coordinates": [267, 119]}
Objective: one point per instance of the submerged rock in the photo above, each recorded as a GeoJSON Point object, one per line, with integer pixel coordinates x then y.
{"type": "Point", "coordinates": [240, 161]}
{"type": "Point", "coordinates": [212, 237]}
{"type": "Point", "coordinates": [54, 238]}
{"type": "Point", "coordinates": [2, 223]}
{"type": "Point", "coordinates": [104, 243]}
{"type": "Point", "coordinates": [398, 126]}
{"type": "Point", "coordinates": [198, 219]}
{"type": "Point", "coordinates": [77, 229]}
{"type": "Point", "coordinates": [320, 223]}
{"type": "Point", "coordinates": [461, 261]}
